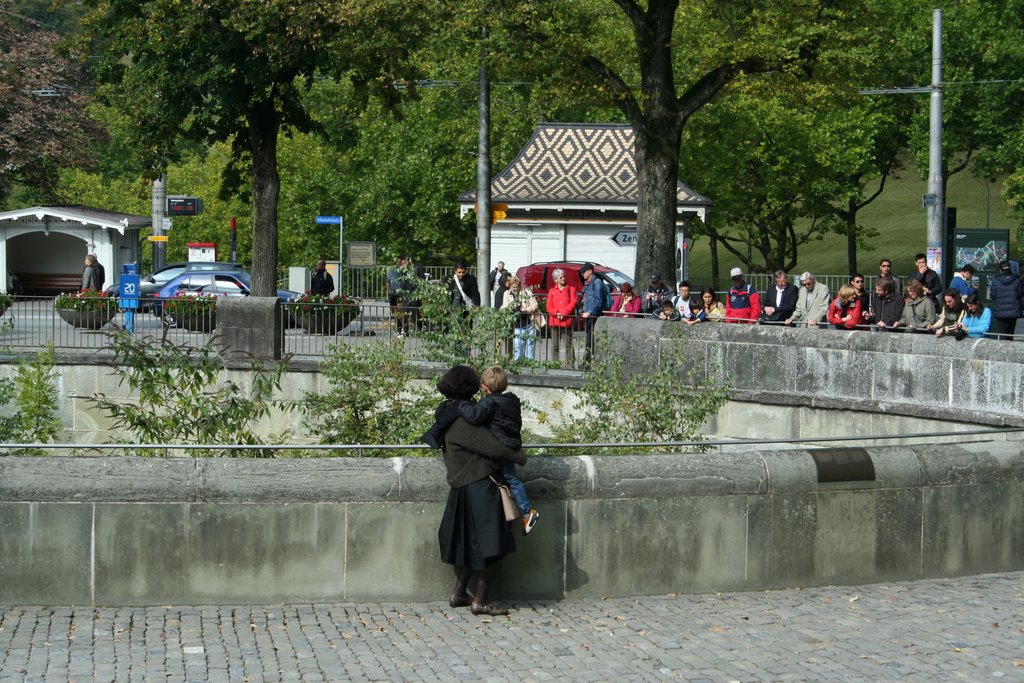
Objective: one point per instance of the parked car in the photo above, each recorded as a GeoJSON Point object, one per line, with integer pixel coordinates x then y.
{"type": "Point", "coordinates": [222, 282]}
{"type": "Point", "coordinates": [150, 284]}
{"type": "Point", "coordinates": [538, 278]}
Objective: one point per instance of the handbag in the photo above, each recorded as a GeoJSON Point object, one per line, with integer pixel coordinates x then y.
{"type": "Point", "coordinates": [507, 504]}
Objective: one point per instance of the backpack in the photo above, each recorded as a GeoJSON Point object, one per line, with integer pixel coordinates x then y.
{"type": "Point", "coordinates": [607, 297]}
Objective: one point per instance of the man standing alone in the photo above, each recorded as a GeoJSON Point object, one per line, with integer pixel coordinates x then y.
{"type": "Point", "coordinates": [91, 274]}
{"type": "Point", "coordinates": [322, 281]}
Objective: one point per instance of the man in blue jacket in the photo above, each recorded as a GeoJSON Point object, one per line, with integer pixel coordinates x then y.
{"type": "Point", "coordinates": [594, 291]}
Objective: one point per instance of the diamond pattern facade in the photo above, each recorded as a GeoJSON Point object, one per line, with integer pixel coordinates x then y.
{"type": "Point", "coordinates": [575, 163]}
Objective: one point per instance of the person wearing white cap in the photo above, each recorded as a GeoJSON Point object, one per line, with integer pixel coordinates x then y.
{"type": "Point", "coordinates": [743, 304]}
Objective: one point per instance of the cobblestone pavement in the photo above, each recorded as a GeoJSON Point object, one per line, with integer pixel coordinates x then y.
{"type": "Point", "coordinates": [968, 629]}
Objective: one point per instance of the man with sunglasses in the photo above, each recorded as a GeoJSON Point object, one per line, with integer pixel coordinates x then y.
{"type": "Point", "coordinates": [863, 295]}
{"type": "Point", "coordinates": [885, 270]}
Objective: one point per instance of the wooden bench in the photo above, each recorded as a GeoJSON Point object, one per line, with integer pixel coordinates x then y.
{"type": "Point", "coordinates": [47, 284]}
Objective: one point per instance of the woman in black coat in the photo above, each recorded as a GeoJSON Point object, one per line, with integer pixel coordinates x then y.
{"type": "Point", "coordinates": [473, 535]}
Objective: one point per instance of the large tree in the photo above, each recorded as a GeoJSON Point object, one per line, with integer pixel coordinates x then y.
{"type": "Point", "coordinates": [678, 56]}
{"type": "Point", "coordinates": [235, 70]}
{"type": "Point", "coordinates": [43, 122]}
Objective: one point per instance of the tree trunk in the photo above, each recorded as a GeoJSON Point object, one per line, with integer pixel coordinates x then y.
{"type": "Point", "coordinates": [264, 124]}
{"type": "Point", "coordinates": [657, 166]}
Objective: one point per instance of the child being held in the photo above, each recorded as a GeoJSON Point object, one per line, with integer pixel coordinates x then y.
{"type": "Point", "coordinates": [501, 411]}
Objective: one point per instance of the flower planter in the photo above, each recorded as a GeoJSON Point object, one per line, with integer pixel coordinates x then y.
{"type": "Point", "coordinates": [196, 322]}
{"type": "Point", "coordinates": [326, 322]}
{"type": "Point", "coordinates": [87, 320]}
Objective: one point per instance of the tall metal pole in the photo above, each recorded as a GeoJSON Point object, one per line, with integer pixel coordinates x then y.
{"type": "Point", "coordinates": [159, 206]}
{"type": "Point", "coordinates": [936, 202]}
{"type": "Point", "coordinates": [483, 180]}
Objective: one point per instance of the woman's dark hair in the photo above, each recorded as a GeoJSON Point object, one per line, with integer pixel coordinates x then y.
{"type": "Point", "coordinates": [712, 292]}
{"type": "Point", "coordinates": [461, 381]}
{"type": "Point", "coordinates": [626, 288]}
{"type": "Point", "coordinates": [958, 303]}
{"type": "Point", "coordinates": [975, 300]}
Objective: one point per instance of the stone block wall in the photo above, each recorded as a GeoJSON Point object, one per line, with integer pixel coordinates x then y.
{"type": "Point", "coordinates": [150, 531]}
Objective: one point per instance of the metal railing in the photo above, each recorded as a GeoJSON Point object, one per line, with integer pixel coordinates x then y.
{"type": "Point", "coordinates": [32, 322]}
{"type": "Point", "coordinates": [372, 283]}
{"type": "Point", "coordinates": [361, 450]}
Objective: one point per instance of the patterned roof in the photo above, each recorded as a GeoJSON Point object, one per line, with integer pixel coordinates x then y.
{"type": "Point", "coordinates": [575, 163]}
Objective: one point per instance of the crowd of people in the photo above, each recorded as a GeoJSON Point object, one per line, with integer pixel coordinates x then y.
{"type": "Point", "coordinates": [921, 305]}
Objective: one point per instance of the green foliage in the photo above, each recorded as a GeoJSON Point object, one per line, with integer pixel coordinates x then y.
{"type": "Point", "coordinates": [36, 399]}
{"type": "Point", "coordinates": [182, 398]}
{"type": "Point", "coordinates": [34, 393]}
{"type": "Point", "coordinates": [479, 337]}
{"type": "Point", "coordinates": [670, 403]}
{"type": "Point", "coordinates": [369, 399]}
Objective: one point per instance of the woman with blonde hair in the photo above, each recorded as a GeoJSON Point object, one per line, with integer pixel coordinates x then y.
{"type": "Point", "coordinates": [845, 310]}
{"type": "Point", "coordinates": [524, 333]}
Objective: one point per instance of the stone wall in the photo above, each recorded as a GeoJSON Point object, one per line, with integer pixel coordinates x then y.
{"type": "Point", "coordinates": [974, 380]}
{"type": "Point", "coordinates": [130, 531]}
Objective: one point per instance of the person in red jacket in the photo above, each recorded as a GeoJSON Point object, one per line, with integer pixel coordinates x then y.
{"type": "Point", "coordinates": [743, 304]}
{"type": "Point", "coordinates": [845, 310]}
{"type": "Point", "coordinates": [561, 305]}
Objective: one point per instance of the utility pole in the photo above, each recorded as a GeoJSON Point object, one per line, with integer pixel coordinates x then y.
{"type": "Point", "coordinates": [483, 180]}
{"type": "Point", "coordinates": [159, 207]}
{"type": "Point", "coordinates": [934, 201]}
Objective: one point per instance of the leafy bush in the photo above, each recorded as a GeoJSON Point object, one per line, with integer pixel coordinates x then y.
{"type": "Point", "coordinates": [34, 393]}
{"type": "Point", "coordinates": [669, 403]}
{"type": "Point", "coordinates": [84, 300]}
{"type": "Point", "coordinates": [450, 335]}
{"type": "Point", "coordinates": [181, 398]}
{"type": "Point", "coordinates": [369, 400]}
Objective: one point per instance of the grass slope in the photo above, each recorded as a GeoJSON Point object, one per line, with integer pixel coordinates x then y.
{"type": "Point", "coordinates": [902, 227]}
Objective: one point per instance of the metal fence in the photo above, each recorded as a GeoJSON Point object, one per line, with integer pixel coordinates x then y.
{"type": "Point", "coordinates": [371, 283]}
{"type": "Point", "coordinates": [33, 322]}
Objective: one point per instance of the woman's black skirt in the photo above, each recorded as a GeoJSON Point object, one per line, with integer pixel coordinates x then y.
{"type": "Point", "coordinates": [473, 531]}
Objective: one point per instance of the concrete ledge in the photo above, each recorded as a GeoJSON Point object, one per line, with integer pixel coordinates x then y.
{"type": "Point", "coordinates": [153, 531]}
{"type": "Point", "coordinates": [909, 374]}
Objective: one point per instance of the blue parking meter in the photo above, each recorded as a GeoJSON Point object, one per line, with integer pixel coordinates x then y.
{"type": "Point", "coordinates": [128, 293]}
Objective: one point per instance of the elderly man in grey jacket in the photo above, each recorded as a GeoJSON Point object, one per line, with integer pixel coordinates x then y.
{"type": "Point", "coordinates": [811, 303]}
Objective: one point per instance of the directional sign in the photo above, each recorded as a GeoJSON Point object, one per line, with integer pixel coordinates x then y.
{"type": "Point", "coordinates": [157, 238]}
{"type": "Point", "coordinates": [328, 220]}
{"type": "Point", "coordinates": [624, 238]}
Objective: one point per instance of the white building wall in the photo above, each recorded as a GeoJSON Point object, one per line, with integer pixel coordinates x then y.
{"type": "Point", "coordinates": [520, 244]}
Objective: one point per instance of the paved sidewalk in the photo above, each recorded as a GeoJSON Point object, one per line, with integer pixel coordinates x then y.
{"type": "Point", "coordinates": [969, 629]}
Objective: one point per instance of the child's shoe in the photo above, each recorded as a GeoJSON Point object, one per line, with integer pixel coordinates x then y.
{"type": "Point", "coordinates": [530, 520]}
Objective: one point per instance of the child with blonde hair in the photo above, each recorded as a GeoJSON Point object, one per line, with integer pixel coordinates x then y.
{"type": "Point", "coordinates": [502, 412]}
